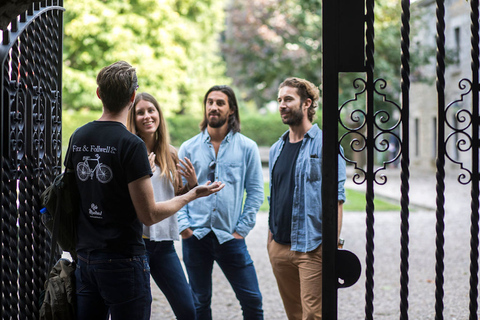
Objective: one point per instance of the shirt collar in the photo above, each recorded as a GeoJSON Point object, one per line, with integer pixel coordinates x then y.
{"type": "Point", "coordinates": [314, 130]}
{"type": "Point", "coordinates": [206, 136]}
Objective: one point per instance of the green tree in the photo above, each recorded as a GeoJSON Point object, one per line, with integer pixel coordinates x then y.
{"type": "Point", "coordinates": [267, 41]}
{"type": "Point", "coordinates": [173, 44]}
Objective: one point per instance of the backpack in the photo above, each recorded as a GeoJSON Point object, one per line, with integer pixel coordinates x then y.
{"type": "Point", "coordinates": [59, 215]}
{"type": "Point", "coordinates": [60, 209]}
{"type": "Point", "coordinates": [60, 212]}
{"type": "Point", "coordinates": [59, 296]}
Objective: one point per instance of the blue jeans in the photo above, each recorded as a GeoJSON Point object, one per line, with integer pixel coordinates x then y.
{"type": "Point", "coordinates": [168, 274]}
{"type": "Point", "coordinates": [235, 262]}
{"type": "Point", "coordinates": [115, 284]}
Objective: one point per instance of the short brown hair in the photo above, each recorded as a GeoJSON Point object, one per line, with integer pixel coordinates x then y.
{"type": "Point", "coordinates": [116, 84]}
{"type": "Point", "coordinates": [306, 90]}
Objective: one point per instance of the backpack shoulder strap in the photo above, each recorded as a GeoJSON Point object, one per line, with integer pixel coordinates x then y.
{"type": "Point", "coordinates": [56, 220]}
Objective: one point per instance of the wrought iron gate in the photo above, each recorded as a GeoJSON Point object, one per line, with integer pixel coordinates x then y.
{"type": "Point", "coordinates": [31, 73]}
{"type": "Point", "coordinates": [344, 54]}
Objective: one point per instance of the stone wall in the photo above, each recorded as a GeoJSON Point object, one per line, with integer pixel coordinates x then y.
{"type": "Point", "coordinates": [423, 95]}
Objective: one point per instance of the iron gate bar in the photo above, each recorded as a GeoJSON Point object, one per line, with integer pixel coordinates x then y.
{"type": "Point", "coordinates": [10, 174]}
{"type": "Point", "coordinates": [405, 161]}
{"type": "Point", "coordinates": [441, 147]}
{"type": "Point", "coordinates": [27, 185]}
{"type": "Point", "coordinates": [440, 162]}
{"type": "Point", "coordinates": [370, 143]}
{"type": "Point", "coordinates": [330, 47]}
{"type": "Point", "coordinates": [474, 241]}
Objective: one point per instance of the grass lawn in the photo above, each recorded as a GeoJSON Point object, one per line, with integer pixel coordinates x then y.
{"type": "Point", "coordinates": [355, 202]}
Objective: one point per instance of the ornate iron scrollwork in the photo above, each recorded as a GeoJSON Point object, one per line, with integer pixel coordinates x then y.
{"type": "Point", "coordinates": [385, 138]}
{"type": "Point", "coordinates": [463, 119]}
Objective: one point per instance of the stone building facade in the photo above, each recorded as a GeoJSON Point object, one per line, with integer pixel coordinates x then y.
{"type": "Point", "coordinates": [423, 94]}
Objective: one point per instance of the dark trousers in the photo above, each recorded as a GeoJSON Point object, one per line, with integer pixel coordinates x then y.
{"type": "Point", "coordinates": [112, 284]}
{"type": "Point", "coordinates": [235, 262]}
{"type": "Point", "coordinates": [169, 276]}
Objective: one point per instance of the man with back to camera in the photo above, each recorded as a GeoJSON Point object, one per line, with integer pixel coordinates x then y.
{"type": "Point", "coordinates": [116, 197]}
{"type": "Point", "coordinates": [214, 229]}
{"type": "Point", "coordinates": [295, 218]}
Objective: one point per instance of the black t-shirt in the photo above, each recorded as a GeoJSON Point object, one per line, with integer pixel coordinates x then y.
{"type": "Point", "coordinates": [281, 198]}
{"type": "Point", "coordinates": [106, 157]}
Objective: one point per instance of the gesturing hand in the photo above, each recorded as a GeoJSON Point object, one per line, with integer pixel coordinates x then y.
{"type": "Point", "coordinates": [187, 171]}
{"type": "Point", "coordinates": [208, 188]}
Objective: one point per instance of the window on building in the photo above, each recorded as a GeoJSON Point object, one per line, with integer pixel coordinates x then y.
{"type": "Point", "coordinates": [457, 44]}
{"type": "Point", "coordinates": [434, 135]}
{"type": "Point", "coordinates": [417, 137]}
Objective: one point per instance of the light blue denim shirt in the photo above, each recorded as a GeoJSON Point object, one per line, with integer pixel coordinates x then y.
{"type": "Point", "coordinates": [307, 198]}
{"type": "Point", "coordinates": [238, 165]}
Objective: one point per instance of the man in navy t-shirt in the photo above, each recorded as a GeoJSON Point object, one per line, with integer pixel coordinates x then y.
{"type": "Point", "coordinates": [116, 197]}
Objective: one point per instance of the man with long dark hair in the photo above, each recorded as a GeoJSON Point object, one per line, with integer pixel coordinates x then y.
{"type": "Point", "coordinates": [214, 229]}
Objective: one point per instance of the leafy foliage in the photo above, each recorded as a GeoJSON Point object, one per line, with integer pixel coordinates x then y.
{"type": "Point", "coordinates": [182, 128]}
{"type": "Point", "coordinates": [264, 130]}
{"type": "Point", "coordinates": [172, 43]}
{"type": "Point", "coordinates": [267, 41]}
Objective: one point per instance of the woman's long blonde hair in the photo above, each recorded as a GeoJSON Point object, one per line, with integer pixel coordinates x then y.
{"type": "Point", "coordinates": [165, 154]}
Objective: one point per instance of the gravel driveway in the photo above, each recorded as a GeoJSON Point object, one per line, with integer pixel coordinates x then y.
{"type": "Point", "coordinates": [351, 302]}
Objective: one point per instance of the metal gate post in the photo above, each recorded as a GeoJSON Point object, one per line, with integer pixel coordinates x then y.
{"type": "Point", "coordinates": [343, 51]}
{"type": "Point", "coordinates": [330, 39]}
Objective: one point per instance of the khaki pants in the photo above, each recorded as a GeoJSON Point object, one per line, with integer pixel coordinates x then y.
{"type": "Point", "coordinates": [299, 280]}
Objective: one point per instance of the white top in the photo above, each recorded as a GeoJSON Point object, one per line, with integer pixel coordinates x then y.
{"type": "Point", "coordinates": [167, 229]}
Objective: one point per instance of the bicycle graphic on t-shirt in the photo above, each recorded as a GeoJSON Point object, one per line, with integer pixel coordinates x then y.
{"type": "Point", "coordinates": [103, 172]}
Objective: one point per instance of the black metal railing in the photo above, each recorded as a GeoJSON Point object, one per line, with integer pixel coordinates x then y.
{"type": "Point", "coordinates": [474, 241]}
{"type": "Point", "coordinates": [405, 160]}
{"type": "Point", "coordinates": [31, 86]}
{"type": "Point", "coordinates": [370, 131]}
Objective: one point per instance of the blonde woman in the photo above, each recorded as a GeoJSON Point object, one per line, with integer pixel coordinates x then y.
{"type": "Point", "coordinates": [146, 120]}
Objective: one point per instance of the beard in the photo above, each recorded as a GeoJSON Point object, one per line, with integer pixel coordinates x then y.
{"type": "Point", "coordinates": [295, 118]}
{"type": "Point", "coordinates": [218, 122]}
